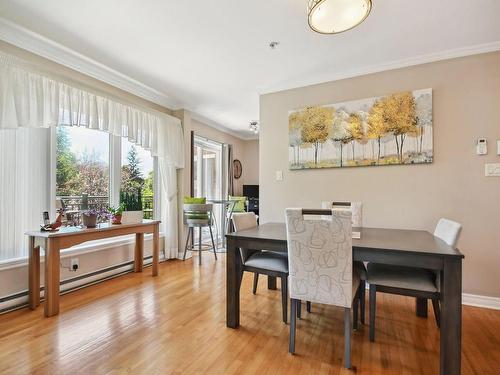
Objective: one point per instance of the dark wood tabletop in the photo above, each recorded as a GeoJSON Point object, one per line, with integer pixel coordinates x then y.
{"type": "Point", "coordinates": [400, 240]}
{"type": "Point", "coordinates": [413, 248]}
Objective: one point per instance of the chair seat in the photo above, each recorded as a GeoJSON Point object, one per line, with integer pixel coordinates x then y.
{"type": "Point", "coordinates": [360, 268]}
{"type": "Point", "coordinates": [401, 277]}
{"type": "Point", "coordinates": [268, 260]}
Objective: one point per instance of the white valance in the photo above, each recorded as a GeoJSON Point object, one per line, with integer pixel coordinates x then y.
{"type": "Point", "coordinates": [33, 99]}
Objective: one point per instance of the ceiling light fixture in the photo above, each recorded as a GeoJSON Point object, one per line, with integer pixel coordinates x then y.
{"type": "Point", "coordinates": [254, 127]}
{"type": "Point", "coordinates": [336, 16]}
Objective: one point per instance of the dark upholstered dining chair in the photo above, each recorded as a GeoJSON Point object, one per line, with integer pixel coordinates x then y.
{"type": "Point", "coordinates": [410, 281]}
{"type": "Point", "coordinates": [263, 262]}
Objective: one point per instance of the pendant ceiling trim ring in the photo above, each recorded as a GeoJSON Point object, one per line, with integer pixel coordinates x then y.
{"type": "Point", "coordinates": [313, 4]}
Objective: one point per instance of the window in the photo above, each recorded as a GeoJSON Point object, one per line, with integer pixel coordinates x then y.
{"type": "Point", "coordinates": [82, 173]}
{"type": "Point", "coordinates": [137, 175]}
{"type": "Point", "coordinates": [95, 169]}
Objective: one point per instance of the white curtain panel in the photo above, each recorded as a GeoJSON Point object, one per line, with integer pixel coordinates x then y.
{"type": "Point", "coordinates": [33, 99]}
{"type": "Point", "coordinates": [24, 187]}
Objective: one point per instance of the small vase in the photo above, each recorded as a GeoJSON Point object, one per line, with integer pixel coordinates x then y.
{"type": "Point", "coordinates": [117, 219]}
{"type": "Point", "coordinates": [90, 221]}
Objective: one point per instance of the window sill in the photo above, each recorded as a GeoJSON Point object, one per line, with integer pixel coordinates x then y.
{"type": "Point", "coordinates": [85, 248]}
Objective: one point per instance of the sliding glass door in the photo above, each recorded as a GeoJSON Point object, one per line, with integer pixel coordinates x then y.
{"type": "Point", "coordinates": [207, 168]}
{"type": "Point", "coordinates": [208, 178]}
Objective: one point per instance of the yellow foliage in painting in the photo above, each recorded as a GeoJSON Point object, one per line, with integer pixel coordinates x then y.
{"type": "Point", "coordinates": [315, 124]}
{"type": "Point", "coordinates": [355, 126]}
{"type": "Point", "coordinates": [400, 113]}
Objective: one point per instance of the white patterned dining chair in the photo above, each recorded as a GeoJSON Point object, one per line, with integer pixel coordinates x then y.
{"type": "Point", "coordinates": [356, 208]}
{"type": "Point", "coordinates": [320, 266]}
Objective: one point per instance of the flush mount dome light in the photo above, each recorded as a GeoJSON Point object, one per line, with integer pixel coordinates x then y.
{"type": "Point", "coordinates": [336, 16]}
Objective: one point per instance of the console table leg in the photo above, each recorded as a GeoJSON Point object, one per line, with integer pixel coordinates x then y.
{"type": "Point", "coordinates": [139, 252]}
{"type": "Point", "coordinates": [52, 278]}
{"type": "Point", "coordinates": [156, 249]}
{"type": "Point", "coordinates": [33, 274]}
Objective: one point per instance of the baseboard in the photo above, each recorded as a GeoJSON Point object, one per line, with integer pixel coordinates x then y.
{"type": "Point", "coordinates": [475, 300]}
{"type": "Point", "coordinates": [481, 301]}
{"type": "Point", "coordinates": [20, 300]}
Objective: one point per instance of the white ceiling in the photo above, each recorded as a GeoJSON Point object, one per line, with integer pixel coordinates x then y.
{"type": "Point", "coordinates": [213, 58]}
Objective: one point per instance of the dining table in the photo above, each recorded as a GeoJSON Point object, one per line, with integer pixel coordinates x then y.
{"type": "Point", "coordinates": [403, 247]}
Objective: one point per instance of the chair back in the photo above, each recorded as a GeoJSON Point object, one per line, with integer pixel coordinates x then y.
{"type": "Point", "coordinates": [356, 209]}
{"type": "Point", "coordinates": [197, 214]}
{"type": "Point", "coordinates": [320, 256]}
{"type": "Point", "coordinates": [448, 231]}
{"type": "Point", "coordinates": [242, 221]}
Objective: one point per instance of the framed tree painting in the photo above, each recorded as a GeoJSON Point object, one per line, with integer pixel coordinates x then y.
{"type": "Point", "coordinates": [386, 130]}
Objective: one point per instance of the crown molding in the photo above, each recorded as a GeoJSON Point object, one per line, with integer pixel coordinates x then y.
{"type": "Point", "coordinates": [21, 37]}
{"type": "Point", "coordinates": [206, 121]}
{"type": "Point", "coordinates": [396, 64]}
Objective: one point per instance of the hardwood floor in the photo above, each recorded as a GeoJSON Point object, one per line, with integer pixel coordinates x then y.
{"type": "Point", "coordinates": [175, 324]}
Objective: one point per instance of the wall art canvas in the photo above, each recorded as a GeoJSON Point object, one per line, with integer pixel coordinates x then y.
{"type": "Point", "coordinates": [385, 130]}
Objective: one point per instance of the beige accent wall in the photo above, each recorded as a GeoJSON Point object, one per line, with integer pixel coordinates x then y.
{"type": "Point", "coordinates": [250, 174]}
{"type": "Point", "coordinates": [466, 100]}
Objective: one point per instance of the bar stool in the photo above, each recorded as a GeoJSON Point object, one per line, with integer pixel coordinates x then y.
{"type": "Point", "coordinates": [198, 216]}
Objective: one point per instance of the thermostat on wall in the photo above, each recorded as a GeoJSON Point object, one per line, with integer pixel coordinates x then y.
{"type": "Point", "coordinates": [481, 147]}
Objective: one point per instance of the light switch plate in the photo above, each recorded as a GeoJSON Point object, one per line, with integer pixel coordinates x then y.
{"type": "Point", "coordinates": [498, 147]}
{"type": "Point", "coordinates": [492, 170]}
{"type": "Point", "coordinates": [279, 175]}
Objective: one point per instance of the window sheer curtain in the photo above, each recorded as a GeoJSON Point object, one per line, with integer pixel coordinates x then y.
{"type": "Point", "coordinates": [24, 181]}
{"type": "Point", "coordinates": [31, 99]}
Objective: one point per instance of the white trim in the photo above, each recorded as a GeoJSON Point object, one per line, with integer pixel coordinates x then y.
{"type": "Point", "coordinates": [391, 65]}
{"type": "Point", "coordinates": [481, 301]}
{"type": "Point", "coordinates": [206, 121]}
{"type": "Point", "coordinates": [21, 37]}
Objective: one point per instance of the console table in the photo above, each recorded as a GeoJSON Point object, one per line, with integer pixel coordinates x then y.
{"type": "Point", "coordinates": [54, 242]}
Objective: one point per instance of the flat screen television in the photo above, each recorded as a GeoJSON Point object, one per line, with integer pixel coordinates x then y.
{"type": "Point", "coordinates": [251, 191]}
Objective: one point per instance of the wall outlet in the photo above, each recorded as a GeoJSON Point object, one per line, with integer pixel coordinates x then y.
{"type": "Point", "coordinates": [492, 169]}
{"type": "Point", "coordinates": [74, 264]}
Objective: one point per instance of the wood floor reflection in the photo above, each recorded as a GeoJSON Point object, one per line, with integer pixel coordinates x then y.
{"type": "Point", "coordinates": [175, 324]}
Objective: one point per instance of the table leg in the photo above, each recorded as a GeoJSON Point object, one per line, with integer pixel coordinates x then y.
{"type": "Point", "coordinates": [421, 307]}
{"type": "Point", "coordinates": [52, 278]}
{"type": "Point", "coordinates": [451, 317]}
{"type": "Point", "coordinates": [139, 252]}
{"type": "Point", "coordinates": [233, 271]}
{"type": "Point", "coordinates": [156, 249]}
{"type": "Point", "coordinates": [271, 282]}
{"type": "Point", "coordinates": [33, 274]}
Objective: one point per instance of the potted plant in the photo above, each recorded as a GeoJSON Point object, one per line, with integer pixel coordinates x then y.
{"type": "Point", "coordinates": [132, 202]}
{"type": "Point", "coordinates": [116, 213]}
{"type": "Point", "coordinates": [89, 218]}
